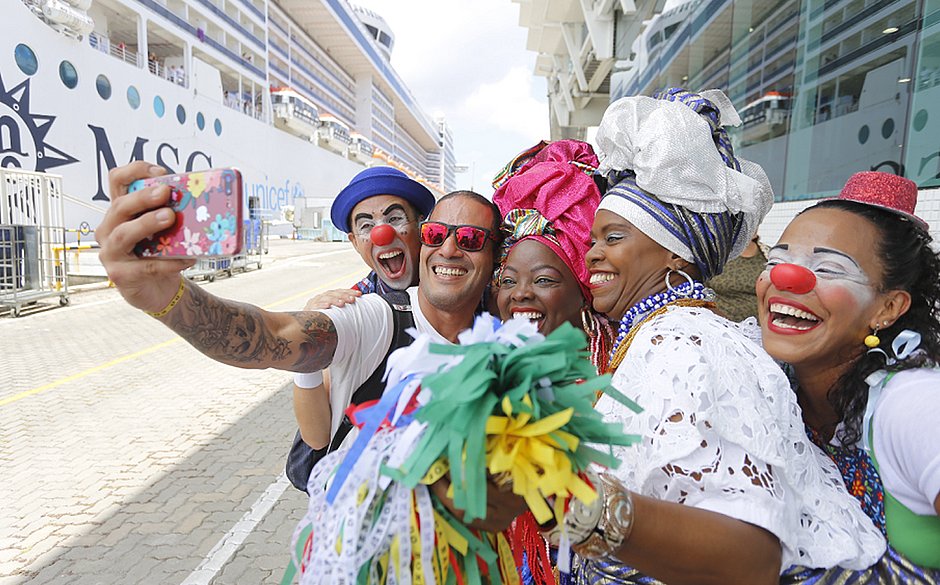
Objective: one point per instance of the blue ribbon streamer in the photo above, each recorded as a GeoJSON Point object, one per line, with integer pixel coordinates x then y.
{"type": "Point", "coordinates": [371, 418]}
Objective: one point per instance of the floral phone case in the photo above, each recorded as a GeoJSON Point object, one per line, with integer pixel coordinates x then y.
{"type": "Point", "coordinates": [208, 207]}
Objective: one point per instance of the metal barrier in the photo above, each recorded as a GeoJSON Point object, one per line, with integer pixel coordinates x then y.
{"type": "Point", "coordinates": [32, 235]}
{"type": "Point", "coordinates": [254, 246]}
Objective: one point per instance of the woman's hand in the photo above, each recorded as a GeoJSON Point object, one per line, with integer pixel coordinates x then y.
{"type": "Point", "coordinates": [502, 506]}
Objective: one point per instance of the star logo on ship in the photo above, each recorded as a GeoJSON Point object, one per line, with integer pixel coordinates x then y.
{"type": "Point", "coordinates": [23, 133]}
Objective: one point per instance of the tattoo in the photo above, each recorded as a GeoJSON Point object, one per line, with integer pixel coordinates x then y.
{"type": "Point", "coordinates": [316, 351]}
{"type": "Point", "coordinates": [244, 335]}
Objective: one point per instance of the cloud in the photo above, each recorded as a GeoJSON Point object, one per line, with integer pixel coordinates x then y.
{"type": "Point", "coordinates": [507, 105]}
{"type": "Point", "coordinates": [466, 60]}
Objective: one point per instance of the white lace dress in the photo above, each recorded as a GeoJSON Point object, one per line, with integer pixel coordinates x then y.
{"type": "Point", "coordinates": [722, 431]}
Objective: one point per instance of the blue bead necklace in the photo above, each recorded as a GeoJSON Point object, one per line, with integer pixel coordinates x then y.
{"type": "Point", "coordinates": [636, 313]}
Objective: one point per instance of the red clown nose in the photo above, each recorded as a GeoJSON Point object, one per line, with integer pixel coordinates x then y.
{"type": "Point", "coordinates": [792, 278]}
{"type": "Point", "coordinates": [382, 235]}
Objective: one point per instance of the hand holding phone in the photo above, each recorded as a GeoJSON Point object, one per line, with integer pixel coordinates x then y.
{"type": "Point", "coordinates": [208, 206]}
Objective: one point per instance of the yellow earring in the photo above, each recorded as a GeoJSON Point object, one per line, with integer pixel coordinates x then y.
{"type": "Point", "coordinates": [872, 340]}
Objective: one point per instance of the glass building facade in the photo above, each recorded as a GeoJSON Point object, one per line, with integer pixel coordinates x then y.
{"type": "Point", "coordinates": [825, 88]}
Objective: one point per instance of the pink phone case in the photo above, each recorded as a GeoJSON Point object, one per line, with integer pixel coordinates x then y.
{"type": "Point", "coordinates": [208, 208]}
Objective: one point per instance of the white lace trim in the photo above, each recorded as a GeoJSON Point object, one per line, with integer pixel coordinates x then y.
{"type": "Point", "coordinates": [722, 431]}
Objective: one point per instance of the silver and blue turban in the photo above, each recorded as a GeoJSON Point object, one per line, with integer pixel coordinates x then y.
{"type": "Point", "coordinates": [672, 172]}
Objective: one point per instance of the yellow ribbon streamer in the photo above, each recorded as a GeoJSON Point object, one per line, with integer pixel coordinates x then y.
{"type": "Point", "coordinates": [533, 455]}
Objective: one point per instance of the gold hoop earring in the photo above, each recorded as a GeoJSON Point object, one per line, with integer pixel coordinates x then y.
{"type": "Point", "coordinates": [587, 322]}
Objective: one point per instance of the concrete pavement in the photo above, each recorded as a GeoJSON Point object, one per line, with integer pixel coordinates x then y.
{"type": "Point", "coordinates": [128, 457]}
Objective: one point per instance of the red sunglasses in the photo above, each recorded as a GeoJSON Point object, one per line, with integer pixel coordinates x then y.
{"type": "Point", "coordinates": [469, 238]}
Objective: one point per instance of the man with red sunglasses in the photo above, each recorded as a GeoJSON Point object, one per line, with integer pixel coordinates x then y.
{"type": "Point", "coordinates": [454, 269]}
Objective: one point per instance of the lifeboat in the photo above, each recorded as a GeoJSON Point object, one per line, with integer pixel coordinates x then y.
{"type": "Point", "coordinates": [295, 113]}
{"type": "Point", "coordinates": [333, 134]}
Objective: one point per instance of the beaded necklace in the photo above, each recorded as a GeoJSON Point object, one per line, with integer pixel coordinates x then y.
{"type": "Point", "coordinates": [687, 294]}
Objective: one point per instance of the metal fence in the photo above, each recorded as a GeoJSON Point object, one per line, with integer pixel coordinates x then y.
{"type": "Point", "coordinates": [33, 265]}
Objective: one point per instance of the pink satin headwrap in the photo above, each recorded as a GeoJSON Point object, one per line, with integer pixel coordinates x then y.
{"type": "Point", "coordinates": [556, 182]}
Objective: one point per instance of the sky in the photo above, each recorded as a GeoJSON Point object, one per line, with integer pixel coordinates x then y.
{"type": "Point", "coordinates": [466, 60]}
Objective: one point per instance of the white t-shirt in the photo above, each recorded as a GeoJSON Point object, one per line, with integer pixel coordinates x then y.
{"type": "Point", "coordinates": [907, 438]}
{"type": "Point", "coordinates": [363, 335]}
{"type": "Point", "coordinates": [721, 431]}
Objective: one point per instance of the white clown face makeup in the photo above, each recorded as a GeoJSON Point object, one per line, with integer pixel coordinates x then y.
{"type": "Point", "coordinates": [818, 295]}
{"type": "Point", "coordinates": [828, 264]}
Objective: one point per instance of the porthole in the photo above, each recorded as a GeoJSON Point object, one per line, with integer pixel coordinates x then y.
{"type": "Point", "coordinates": [887, 128]}
{"type": "Point", "coordinates": [103, 85]}
{"type": "Point", "coordinates": [133, 97]}
{"type": "Point", "coordinates": [26, 59]}
{"type": "Point", "coordinates": [68, 74]}
{"type": "Point", "coordinates": [863, 133]}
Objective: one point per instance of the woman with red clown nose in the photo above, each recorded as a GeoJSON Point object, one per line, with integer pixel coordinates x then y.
{"type": "Point", "coordinates": [850, 300]}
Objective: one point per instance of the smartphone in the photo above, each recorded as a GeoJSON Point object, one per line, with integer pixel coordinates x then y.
{"type": "Point", "coordinates": [208, 207]}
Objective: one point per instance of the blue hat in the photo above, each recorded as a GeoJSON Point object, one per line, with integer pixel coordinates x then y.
{"type": "Point", "coordinates": [379, 181]}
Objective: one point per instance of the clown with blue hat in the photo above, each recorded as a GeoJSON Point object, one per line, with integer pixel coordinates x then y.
{"type": "Point", "coordinates": [380, 210]}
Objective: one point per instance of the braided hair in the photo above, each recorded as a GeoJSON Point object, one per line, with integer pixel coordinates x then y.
{"type": "Point", "coordinates": [908, 263]}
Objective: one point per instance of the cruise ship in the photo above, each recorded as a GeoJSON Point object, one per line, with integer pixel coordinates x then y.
{"type": "Point", "coordinates": [297, 94]}
{"type": "Point", "coordinates": [824, 89]}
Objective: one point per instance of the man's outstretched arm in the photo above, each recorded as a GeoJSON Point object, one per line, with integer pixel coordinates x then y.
{"type": "Point", "coordinates": [247, 336]}
{"type": "Point", "coordinates": [231, 332]}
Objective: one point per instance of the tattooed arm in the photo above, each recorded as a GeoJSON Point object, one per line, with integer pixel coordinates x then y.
{"type": "Point", "coordinates": [247, 336]}
{"type": "Point", "coordinates": [233, 333]}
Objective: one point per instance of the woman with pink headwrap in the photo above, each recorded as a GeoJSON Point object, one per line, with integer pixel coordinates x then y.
{"type": "Point", "coordinates": [547, 196]}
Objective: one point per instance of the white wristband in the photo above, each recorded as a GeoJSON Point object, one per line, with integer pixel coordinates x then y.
{"type": "Point", "coordinates": [311, 380]}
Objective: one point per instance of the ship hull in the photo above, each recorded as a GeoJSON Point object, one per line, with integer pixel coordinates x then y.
{"type": "Point", "coordinates": [81, 133]}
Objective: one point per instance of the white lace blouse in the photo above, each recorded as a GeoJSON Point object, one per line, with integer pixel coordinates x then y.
{"type": "Point", "coordinates": [722, 431]}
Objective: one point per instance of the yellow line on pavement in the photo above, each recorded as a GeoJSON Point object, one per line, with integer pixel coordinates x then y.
{"type": "Point", "coordinates": [159, 346]}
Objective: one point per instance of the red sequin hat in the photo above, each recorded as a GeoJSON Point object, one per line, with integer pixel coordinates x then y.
{"type": "Point", "coordinates": [884, 190]}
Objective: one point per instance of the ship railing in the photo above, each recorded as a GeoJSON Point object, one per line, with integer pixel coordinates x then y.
{"type": "Point", "coordinates": [244, 107]}
{"type": "Point", "coordinates": [117, 50]}
{"type": "Point", "coordinates": [174, 74]}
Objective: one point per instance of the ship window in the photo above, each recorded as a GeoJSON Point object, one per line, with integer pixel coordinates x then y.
{"type": "Point", "coordinates": [385, 39]}
{"type": "Point", "coordinates": [133, 97]}
{"type": "Point", "coordinates": [181, 114]}
{"type": "Point", "coordinates": [863, 134]}
{"type": "Point", "coordinates": [25, 59]}
{"type": "Point", "coordinates": [103, 85]}
{"type": "Point", "coordinates": [373, 31]}
{"type": "Point", "coordinates": [200, 121]}
{"type": "Point", "coordinates": [218, 127]}
{"type": "Point", "coordinates": [159, 108]}
{"type": "Point", "coordinates": [887, 128]}
{"type": "Point", "coordinates": [68, 75]}
{"type": "Point", "coordinates": [920, 120]}
{"type": "Point", "coordinates": [655, 40]}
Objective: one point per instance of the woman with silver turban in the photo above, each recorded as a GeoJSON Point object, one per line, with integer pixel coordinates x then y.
{"type": "Point", "coordinates": [724, 486]}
